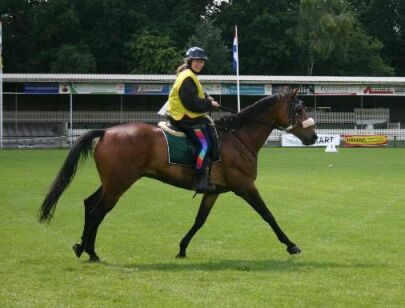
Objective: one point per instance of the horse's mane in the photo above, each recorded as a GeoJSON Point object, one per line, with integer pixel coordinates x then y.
{"type": "Point", "coordinates": [249, 113]}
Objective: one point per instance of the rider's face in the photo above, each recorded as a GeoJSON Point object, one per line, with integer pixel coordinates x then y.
{"type": "Point", "coordinates": [197, 65]}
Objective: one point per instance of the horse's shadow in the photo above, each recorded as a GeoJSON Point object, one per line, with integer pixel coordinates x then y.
{"type": "Point", "coordinates": [288, 265]}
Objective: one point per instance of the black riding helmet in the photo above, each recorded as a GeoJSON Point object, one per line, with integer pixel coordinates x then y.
{"type": "Point", "coordinates": [196, 53]}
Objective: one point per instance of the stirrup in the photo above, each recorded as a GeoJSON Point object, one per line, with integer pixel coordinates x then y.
{"type": "Point", "coordinates": [203, 185]}
{"type": "Point", "coordinates": [210, 188]}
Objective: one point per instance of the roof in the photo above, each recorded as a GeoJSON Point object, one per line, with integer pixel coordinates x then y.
{"type": "Point", "coordinates": [126, 78]}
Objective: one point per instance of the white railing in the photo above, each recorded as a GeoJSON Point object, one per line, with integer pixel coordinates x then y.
{"type": "Point", "coordinates": [392, 134]}
{"type": "Point", "coordinates": [371, 115]}
{"type": "Point", "coordinates": [359, 116]}
{"type": "Point", "coordinates": [85, 117]}
{"type": "Point", "coordinates": [114, 117]}
{"type": "Point", "coordinates": [64, 141]}
{"type": "Point", "coordinates": [332, 117]}
{"type": "Point", "coordinates": [81, 116]}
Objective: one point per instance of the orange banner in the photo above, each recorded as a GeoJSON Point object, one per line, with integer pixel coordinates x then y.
{"type": "Point", "coordinates": [364, 140]}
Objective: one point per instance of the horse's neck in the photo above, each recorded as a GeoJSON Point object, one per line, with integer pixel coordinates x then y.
{"type": "Point", "coordinates": [254, 137]}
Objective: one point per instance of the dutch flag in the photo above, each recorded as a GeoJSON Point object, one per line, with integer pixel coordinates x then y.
{"type": "Point", "coordinates": [235, 56]}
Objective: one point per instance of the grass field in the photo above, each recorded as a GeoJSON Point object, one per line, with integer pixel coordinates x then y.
{"type": "Point", "coordinates": [345, 210]}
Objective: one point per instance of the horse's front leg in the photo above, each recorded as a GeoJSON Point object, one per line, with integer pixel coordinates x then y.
{"type": "Point", "coordinates": [252, 196]}
{"type": "Point", "coordinates": [206, 205]}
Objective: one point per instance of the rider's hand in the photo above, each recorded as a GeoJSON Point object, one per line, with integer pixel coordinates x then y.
{"type": "Point", "coordinates": [215, 104]}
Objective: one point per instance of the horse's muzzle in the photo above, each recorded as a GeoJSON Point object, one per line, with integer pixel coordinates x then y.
{"type": "Point", "coordinates": [311, 141]}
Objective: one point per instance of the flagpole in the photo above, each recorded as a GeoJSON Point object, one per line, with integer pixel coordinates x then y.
{"type": "Point", "coordinates": [236, 59]}
{"type": "Point", "coordinates": [1, 90]}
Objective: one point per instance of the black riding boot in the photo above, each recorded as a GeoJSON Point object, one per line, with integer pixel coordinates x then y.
{"type": "Point", "coordinates": [202, 184]}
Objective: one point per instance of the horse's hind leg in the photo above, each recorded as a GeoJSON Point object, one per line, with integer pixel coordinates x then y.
{"type": "Point", "coordinates": [206, 205]}
{"type": "Point", "coordinates": [94, 219]}
{"type": "Point", "coordinates": [89, 204]}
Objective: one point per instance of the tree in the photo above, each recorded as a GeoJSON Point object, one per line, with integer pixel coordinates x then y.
{"type": "Point", "coordinates": [12, 14]}
{"type": "Point", "coordinates": [275, 37]}
{"type": "Point", "coordinates": [73, 59]}
{"type": "Point", "coordinates": [385, 20]}
{"type": "Point", "coordinates": [265, 45]}
{"type": "Point", "coordinates": [360, 56]}
{"type": "Point", "coordinates": [335, 43]}
{"type": "Point", "coordinates": [323, 26]}
{"type": "Point", "coordinates": [153, 54]}
{"type": "Point", "coordinates": [208, 37]}
{"type": "Point", "coordinates": [34, 32]}
{"type": "Point", "coordinates": [38, 30]}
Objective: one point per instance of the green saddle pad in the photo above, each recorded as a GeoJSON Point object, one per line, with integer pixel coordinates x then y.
{"type": "Point", "coordinates": [179, 150]}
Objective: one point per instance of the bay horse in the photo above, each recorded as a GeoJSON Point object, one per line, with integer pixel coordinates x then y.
{"type": "Point", "coordinates": [125, 153]}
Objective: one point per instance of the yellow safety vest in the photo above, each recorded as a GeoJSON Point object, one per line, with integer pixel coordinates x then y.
{"type": "Point", "coordinates": [176, 108]}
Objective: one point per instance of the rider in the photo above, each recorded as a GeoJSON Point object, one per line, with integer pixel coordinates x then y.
{"type": "Point", "coordinates": [187, 109]}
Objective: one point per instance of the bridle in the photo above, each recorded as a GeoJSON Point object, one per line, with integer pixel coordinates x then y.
{"type": "Point", "coordinates": [295, 110]}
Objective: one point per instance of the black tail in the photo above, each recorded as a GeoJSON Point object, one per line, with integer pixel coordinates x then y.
{"type": "Point", "coordinates": [79, 152]}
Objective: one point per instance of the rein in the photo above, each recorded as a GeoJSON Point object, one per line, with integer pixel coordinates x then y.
{"type": "Point", "coordinates": [233, 132]}
{"type": "Point", "coordinates": [245, 116]}
{"type": "Point", "coordinates": [295, 123]}
{"type": "Point", "coordinates": [293, 118]}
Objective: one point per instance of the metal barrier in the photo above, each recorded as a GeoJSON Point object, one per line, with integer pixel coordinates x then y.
{"type": "Point", "coordinates": [88, 117]}
{"type": "Point", "coordinates": [392, 134]}
{"type": "Point", "coordinates": [358, 116]}
{"type": "Point", "coordinates": [111, 118]}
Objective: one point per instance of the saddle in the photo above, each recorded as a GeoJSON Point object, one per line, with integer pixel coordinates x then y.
{"type": "Point", "coordinates": [181, 150]}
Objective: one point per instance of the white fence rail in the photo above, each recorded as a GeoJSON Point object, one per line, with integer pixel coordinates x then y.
{"type": "Point", "coordinates": [359, 116]}
{"type": "Point", "coordinates": [85, 117]}
{"type": "Point", "coordinates": [392, 134]}
{"type": "Point", "coordinates": [375, 115]}
{"type": "Point", "coordinates": [333, 117]}
{"type": "Point", "coordinates": [371, 115]}
{"type": "Point", "coordinates": [80, 116]}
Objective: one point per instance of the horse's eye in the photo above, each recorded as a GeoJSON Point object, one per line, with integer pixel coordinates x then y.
{"type": "Point", "coordinates": [299, 108]}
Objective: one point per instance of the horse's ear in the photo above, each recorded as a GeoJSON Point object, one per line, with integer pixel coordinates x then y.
{"type": "Point", "coordinates": [295, 91]}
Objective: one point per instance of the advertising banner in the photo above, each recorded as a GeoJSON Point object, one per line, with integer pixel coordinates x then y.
{"type": "Point", "coordinates": [64, 88]}
{"type": "Point", "coordinates": [344, 90]}
{"type": "Point", "coordinates": [268, 89]}
{"type": "Point", "coordinates": [245, 89]}
{"type": "Point", "coordinates": [365, 140]}
{"type": "Point", "coordinates": [399, 91]}
{"type": "Point", "coordinates": [147, 89]}
{"type": "Point", "coordinates": [289, 140]}
{"type": "Point", "coordinates": [303, 89]}
{"type": "Point", "coordinates": [97, 88]}
{"type": "Point", "coordinates": [378, 90]}
{"type": "Point", "coordinates": [41, 88]}
{"type": "Point", "coordinates": [212, 88]}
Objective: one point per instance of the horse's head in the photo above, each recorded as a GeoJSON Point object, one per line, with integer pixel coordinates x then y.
{"type": "Point", "coordinates": [293, 119]}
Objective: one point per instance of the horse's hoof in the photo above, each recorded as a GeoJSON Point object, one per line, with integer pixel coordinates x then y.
{"type": "Point", "coordinates": [94, 258]}
{"type": "Point", "coordinates": [180, 255]}
{"type": "Point", "coordinates": [294, 250]}
{"type": "Point", "coordinates": [78, 250]}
